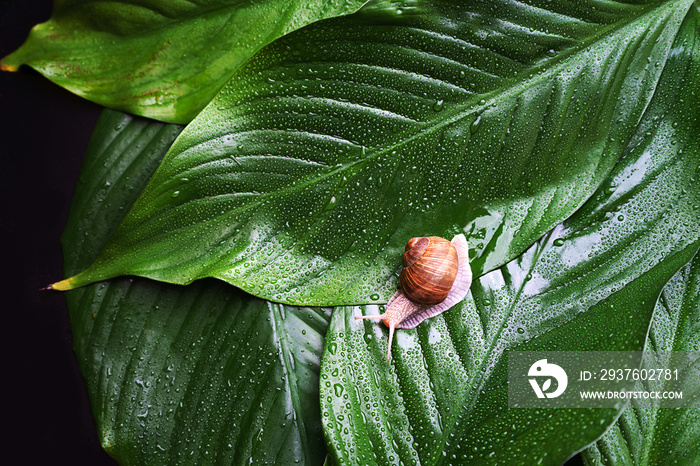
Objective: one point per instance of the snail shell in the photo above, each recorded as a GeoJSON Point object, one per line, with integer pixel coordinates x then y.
{"type": "Point", "coordinates": [429, 269]}
{"type": "Point", "coordinates": [431, 266]}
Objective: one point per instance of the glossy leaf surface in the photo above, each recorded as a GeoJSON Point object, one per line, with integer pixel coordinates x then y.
{"type": "Point", "coordinates": [305, 177]}
{"type": "Point", "coordinates": [590, 284]}
{"type": "Point", "coordinates": [165, 59]}
{"type": "Point", "coordinates": [201, 374]}
{"type": "Point", "coordinates": [646, 434]}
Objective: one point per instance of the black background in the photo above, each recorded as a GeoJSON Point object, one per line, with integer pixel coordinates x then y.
{"type": "Point", "coordinates": [44, 131]}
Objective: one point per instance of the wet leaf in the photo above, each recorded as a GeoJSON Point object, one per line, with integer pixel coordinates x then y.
{"type": "Point", "coordinates": [159, 58]}
{"type": "Point", "coordinates": [200, 374]}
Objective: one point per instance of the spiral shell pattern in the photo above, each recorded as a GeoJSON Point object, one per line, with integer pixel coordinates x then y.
{"type": "Point", "coordinates": [430, 266]}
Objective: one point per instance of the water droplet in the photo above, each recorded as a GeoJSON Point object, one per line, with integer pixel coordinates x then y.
{"type": "Point", "coordinates": [559, 242]}
{"type": "Point", "coordinates": [475, 125]}
{"type": "Point", "coordinates": [438, 105]}
{"type": "Point", "coordinates": [175, 194]}
{"type": "Point", "coordinates": [331, 204]}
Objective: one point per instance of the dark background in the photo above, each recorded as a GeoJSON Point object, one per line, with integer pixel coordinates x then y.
{"type": "Point", "coordinates": [44, 131]}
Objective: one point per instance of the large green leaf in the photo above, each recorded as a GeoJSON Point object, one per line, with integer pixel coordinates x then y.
{"type": "Point", "coordinates": [646, 434]}
{"type": "Point", "coordinates": [590, 284]}
{"type": "Point", "coordinates": [182, 375]}
{"type": "Point", "coordinates": [304, 178]}
{"type": "Point", "coordinates": [164, 59]}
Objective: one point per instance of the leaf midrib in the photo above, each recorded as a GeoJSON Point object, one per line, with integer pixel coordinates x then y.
{"type": "Point", "coordinates": [478, 382]}
{"type": "Point", "coordinates": [653, 431]}
{"type": "Point", "coordinates": [279, 332]}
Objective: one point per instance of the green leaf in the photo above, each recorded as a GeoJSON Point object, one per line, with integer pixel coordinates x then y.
{"type": "Point", "coordinates": [200, 374]}
{"type": "Point", "coordinates": [305, 177]}
{"type": "Point", "coordinates": [590, 284]}
{"type": "Point", "coordinates": [159, 58]}
{"type": "Point", "coordinates": [646, 434]}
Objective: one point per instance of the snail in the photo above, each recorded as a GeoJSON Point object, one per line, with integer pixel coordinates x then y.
{"type": "Point", "coordinates": [435, 276]}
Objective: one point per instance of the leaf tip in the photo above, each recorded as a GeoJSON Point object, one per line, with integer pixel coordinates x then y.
{"type": "Point", "coordinates": [8, 67]}
{"type": "Point", "coordinates": [63, 285]}
{"type": "Point", "coordinates": [10, 62]}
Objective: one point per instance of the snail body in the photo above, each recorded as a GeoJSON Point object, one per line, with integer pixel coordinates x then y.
{"type": "Point", "coordinates": [435, 276]}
